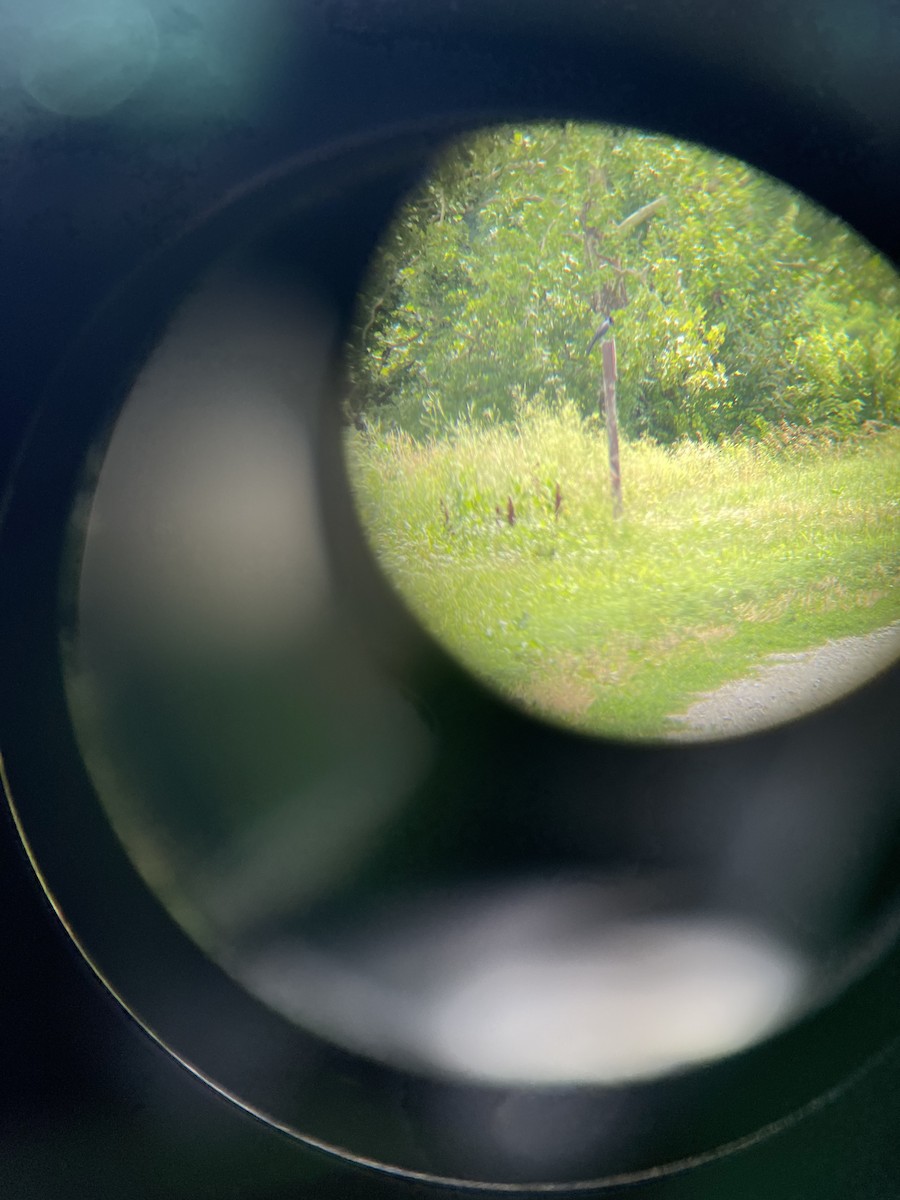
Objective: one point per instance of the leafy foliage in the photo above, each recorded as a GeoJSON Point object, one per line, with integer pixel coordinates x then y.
{"type": "Point", "coordinates": [737, 305]}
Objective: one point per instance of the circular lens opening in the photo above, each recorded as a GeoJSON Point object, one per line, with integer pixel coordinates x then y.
{"type": "Point", "coordinates": [623, 432]}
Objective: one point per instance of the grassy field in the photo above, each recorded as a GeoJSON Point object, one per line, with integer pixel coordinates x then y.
{"type": "Point", "coordinates": [724, 554]}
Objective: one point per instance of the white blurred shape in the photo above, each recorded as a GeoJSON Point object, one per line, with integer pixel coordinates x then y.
{"type": "Point", "coordinates": [539, 985]}
{"type": "Point", "coordinates": [645, 999]}
{"type": "Point", "coordinates": [88, 58]}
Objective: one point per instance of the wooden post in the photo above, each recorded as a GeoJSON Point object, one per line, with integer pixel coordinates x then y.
{"type": "Point", "coordinates": [608, 401]}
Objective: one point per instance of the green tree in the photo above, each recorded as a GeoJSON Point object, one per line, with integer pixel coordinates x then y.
{"type": "Point", "coordinates": [736, 303]}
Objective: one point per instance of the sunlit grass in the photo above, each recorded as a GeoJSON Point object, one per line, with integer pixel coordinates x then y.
{"type": "Point", "coordinates": [724, 554]}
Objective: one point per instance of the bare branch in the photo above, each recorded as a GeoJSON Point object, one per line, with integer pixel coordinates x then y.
{"type": "Point", "coordinates": [641, 215]}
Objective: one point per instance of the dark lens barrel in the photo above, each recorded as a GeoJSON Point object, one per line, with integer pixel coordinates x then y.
{"type": "Point", "coordinates": [191, 202]}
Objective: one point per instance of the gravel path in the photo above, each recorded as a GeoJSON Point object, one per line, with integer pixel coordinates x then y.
{"type": "Point", "coordinates": [788, 685]}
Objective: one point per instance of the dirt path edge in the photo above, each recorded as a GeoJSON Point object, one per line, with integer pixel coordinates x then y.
{"type": "Point", "coordinates": [786, 686]}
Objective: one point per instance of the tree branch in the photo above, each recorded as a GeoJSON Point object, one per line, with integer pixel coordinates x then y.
{"type": "Point", "coordinates": [641, 215]}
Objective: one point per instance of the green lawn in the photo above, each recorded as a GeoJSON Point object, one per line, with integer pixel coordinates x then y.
{"type": "Point", "coordinates": [724, 555]}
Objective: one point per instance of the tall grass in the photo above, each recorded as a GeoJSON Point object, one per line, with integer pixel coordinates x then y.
{"type": "Point", "coordinates": [724, 554]}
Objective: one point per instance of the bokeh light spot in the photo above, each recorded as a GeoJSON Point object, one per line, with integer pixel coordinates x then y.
{"type": "Point", "coordinates": [91, 61]}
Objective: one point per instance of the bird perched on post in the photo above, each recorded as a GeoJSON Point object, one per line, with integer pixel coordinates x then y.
{"type": "Point", "coordinates": [601, 332]}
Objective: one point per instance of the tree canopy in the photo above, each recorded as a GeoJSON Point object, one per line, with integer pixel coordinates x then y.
{"type": "Point", "coordinates": [737, 303]}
